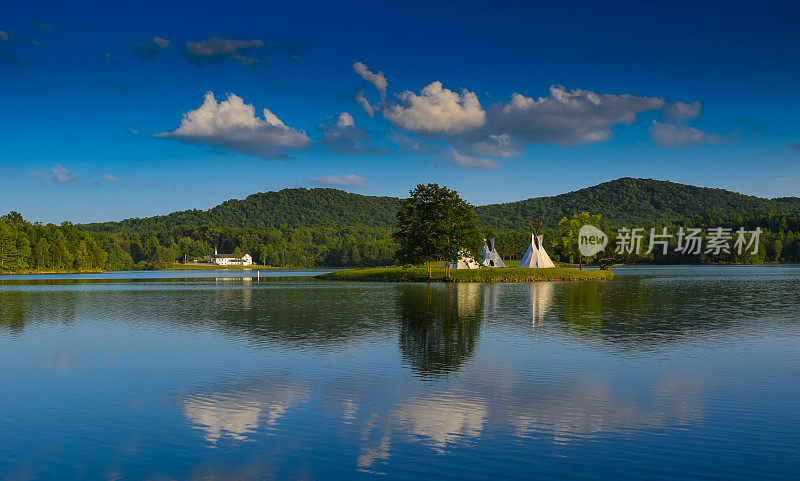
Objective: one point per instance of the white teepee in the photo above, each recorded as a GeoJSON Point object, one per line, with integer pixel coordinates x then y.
{"type": "Point", "coordinates": [490, 256]}
{"type": "Point", "coordinates": [464, 262]}
{"type": "Point", "coordinates": [536, 255]}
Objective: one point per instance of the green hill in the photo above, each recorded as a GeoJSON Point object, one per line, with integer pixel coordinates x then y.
{"type": "Point", "coordinates": [329, 227]}
{"type": "Point", "coordinates": [625, 201]}
{"type": "Point", "coordinates": [633, 202]}
{"type": "Point", "coordinates": [285, 209]}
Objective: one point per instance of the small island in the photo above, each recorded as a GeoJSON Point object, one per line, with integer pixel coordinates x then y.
{"type": "Point", "coordinates": [435, 225]}
{"type": "Point", "coordinates": [483, 274]}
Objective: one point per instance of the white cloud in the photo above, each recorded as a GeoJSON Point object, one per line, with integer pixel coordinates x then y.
{"type": "Point", "coordinates": [502, 145]}
{"type": "Point", "coordinates": [436, 111]}
{"type": "Point", "coordinates": [58, 174]}
{"type": "Point", "coordinates": [408, 145]}
{"type": "Point", "coordinates": [456, 158]}
{"type": "Point", "coordinates": [376, 79]}
{"type": "Point", "coordinates": [347, 180]}
{"type": "Point", "coordinates": [682, 111]}
{"type": "Point", "coordinates": [344, 120]}
{"type": "Point", "coordinates": [110, 177]}
{"type": "Point", "coordinates": [215, 48]}
{"type": "Point", "coordinates": [151, 47]}
{"type": "Point", "coordinates": [161, 42]}
{"type": "Point", "coordinates": [369, 109]}
{"type": "Point", "coordinates": [674, 136]}
{"type": "Point", "coordinates": [567, 117]}
{"type": "Point", "coordinates": [61, 175]}
{"type": "Point", "coordinates": [344, 137]}
{"type": "Point", "coordinates": [232, 124]}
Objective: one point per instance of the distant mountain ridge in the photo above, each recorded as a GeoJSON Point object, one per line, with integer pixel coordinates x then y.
{"type": "Point", "coordinates": [625, 201]}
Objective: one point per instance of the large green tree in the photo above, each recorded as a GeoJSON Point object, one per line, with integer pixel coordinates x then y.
{"type": "Point", "coordinates": [435, 223]}
{"type": "Point", "coordinates": [568, 235]}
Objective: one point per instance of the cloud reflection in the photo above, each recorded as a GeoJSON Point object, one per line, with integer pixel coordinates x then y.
{"type": "Point", "coordinates": [442, 418]}
{"type": "Point", "coordinates": [238, 412]}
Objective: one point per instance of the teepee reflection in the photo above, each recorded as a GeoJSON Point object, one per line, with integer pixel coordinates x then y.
{"type": "Point", "coordinates": [541, 299]}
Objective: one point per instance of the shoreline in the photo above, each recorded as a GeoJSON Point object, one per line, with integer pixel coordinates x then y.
{"type": "Point", "coordinates": [589, 268]}
{"type": "Point", "coordinates": [484, 274]}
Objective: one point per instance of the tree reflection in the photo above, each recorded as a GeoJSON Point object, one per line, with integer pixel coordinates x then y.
{"type": "Point", "coordinates": [12, 312]}
{"type": "Point", "coordinates": [583, 306]}
{"type": "Point", "coordinates": [439, 326]}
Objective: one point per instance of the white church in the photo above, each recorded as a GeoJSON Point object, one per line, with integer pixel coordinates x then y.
{"type": "Point", "coordinates": [230, 260]}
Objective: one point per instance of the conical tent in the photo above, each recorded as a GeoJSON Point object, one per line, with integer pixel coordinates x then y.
{"type": "Point", "coordinates": [490, 256]}
{"type": "Point", "coordinates": [536, 256]}
{"type": "Point", "coordinates": [464, 262]}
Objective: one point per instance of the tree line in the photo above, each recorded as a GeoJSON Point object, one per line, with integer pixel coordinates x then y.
{"type": "Point", "coordinates": [26, 246]}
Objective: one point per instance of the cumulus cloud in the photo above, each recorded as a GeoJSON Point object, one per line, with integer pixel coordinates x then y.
{"type": "Point", "coordinates": [674, 111]}
{"type": "Point", "coordinates": [408, 145]}
{"type": "Point", "coordinates": [3, 36]}
{"type": "Point", "coordinates": [345, 120]}
{"type": "Point", "coordinates": [567, 117]}
{"type": "Point", "coordinates": [494, 145]}
{"type": "Point", "coordinates": [672, 136]}
{"type": "Point", "coordinates": [110, 177]}
{"type": "Point", "coordinates": [58, 174]}
{"type": "Point", "coordinates": [347, 180]}
{"type": "Point", "coordinates": [233, 125]}
{"type": "Point", "coordinates": [376, 79]}
{"type": "Point", "coordinates": [216, 48]}
{"type": "Point", "coordinates": [436, 111]}
{"type": "Point", "coordinates": [151, 47]}
{"type": "Point", "coordinates": [369, 109]}
{"type": "Point", "coordinates": [456, 158]}
{"type": "Point", "coordinates": [342, 136]}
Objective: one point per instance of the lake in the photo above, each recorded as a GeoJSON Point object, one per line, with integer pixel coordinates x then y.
{"type": "Point", "coordinates": [662, 373]}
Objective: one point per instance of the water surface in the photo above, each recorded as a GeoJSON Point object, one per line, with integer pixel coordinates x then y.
{"type": "Point", "coordinates": [662, 373]}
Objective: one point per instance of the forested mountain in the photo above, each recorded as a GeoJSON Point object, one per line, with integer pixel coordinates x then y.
{"type": "Point", "coordinates": [329, 227]}
{"type": "Point", "coordinates": [632, 202]}
{"type": "Point", "coordinates": [625, 201]}
{"type": "Point", "coordinates": [285, 209]}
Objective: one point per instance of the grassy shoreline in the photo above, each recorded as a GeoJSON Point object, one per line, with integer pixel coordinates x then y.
{"type": "Point", "coordinates": [485, 274]}
{"type": "Point", "coordinates": [30, 272]}
{"type": "Point", "coordinates": [199, 267]}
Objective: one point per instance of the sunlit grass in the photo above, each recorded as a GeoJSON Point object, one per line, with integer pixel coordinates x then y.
{"type": "Point", "coordinates": [484, 274]}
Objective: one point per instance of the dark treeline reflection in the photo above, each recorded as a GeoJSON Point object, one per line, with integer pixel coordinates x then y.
{"type": "Point", "coordinates": [439, 325]}
{"type": "Point", "coordinates": [436, 326]}
{"type": "Point", "coordinates": [640, 313]}
{"type": "Point", "coordinates": [281, 313]}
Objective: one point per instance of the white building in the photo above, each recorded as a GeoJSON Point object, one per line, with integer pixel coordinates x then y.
{"type": "Point", "coordinates": [230, 260]}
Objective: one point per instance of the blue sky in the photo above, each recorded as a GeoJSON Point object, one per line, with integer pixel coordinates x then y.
{"type": "Point", "coordinates": [106, 113]}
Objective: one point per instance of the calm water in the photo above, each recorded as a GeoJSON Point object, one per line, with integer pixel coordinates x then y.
{"type": "Point", "coordinates": [667, 373]}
